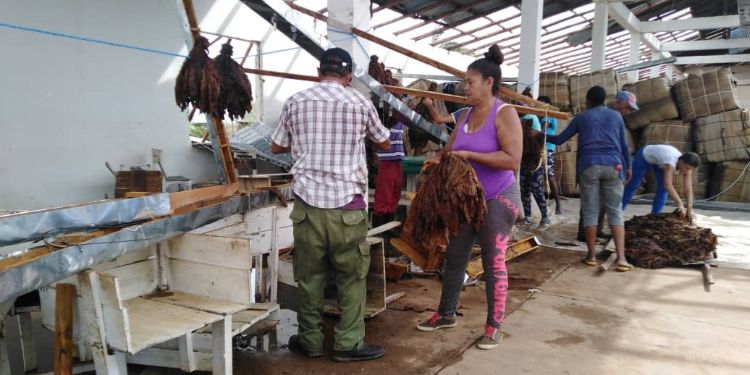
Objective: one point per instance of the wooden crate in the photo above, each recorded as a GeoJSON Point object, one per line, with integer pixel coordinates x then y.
{"type": "Point", "coordinates": [137, 181]}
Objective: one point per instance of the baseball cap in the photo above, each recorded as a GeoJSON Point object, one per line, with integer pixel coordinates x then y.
{"type": "Point", "coordinates": [336, 59]}
{"type": "Point", "coordinates": [629, 97]}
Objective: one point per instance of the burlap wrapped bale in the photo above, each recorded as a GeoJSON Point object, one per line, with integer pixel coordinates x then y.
{"type": "Point", "coordinates": [565, 172]}
{"type": "Point", "coordinates": [555, 86]}
{"type": "Point", "coordinates": [571, 144]}
{"type": "Point", "coordinates": [724, 136]}
{"type": "Point", "coordinates": [671, 132]}
{"type": "Point", "coordinates": [724, 175]}
{"type": "Point", "coordinates": [580, 85]}
{"type": "Point", "coordinates": [707, 94]}
{"type": "Point", "coordinates": [654, 100]}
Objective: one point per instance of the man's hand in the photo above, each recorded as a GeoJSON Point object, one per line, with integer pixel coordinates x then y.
{"type": "Point", "coordinates": [466, 155]}
{"type": "Point", "coordinates": [427, 101]}
{"type": "Point", "coordinates": [430, 163]}
{"type": "Point", "coordinates": [628, 176]}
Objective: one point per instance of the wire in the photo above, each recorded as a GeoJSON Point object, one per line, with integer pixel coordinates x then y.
{"type": "Point", "coordinates": [90, 40]}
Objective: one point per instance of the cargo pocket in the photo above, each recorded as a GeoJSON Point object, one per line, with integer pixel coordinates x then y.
{"type": "Point", "coordinates": [364, 252]}
{"type": "Point", "coordinates": [300, 235]}
{"type": "Point", "coordinates": [355, 227]}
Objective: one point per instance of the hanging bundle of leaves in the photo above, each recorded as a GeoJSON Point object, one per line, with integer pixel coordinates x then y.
{"type": "Point", "coordinates": [449, 195]}
{"type": "Point", "coordinates": [666, 240]}
{"type": "Point", "coordinates": [533, 147]}
{"type": "Point", "coordinates": [236, 92]}
{"type": "Point", "coordinates": [198, 83]}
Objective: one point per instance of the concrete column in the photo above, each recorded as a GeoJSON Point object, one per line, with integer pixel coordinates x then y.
{"type": "Point", "coordinates": [342, 16]}
{"type": "Point", "coordinates": [531, 45]}
{"type": "Point", "coordinates": [635, 55]}
{"type": "Point", "coordinates": [656, 68]}
{"type": "Point", "coordinates": [599, 35]}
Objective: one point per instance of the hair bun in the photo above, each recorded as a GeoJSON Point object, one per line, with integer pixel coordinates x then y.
{"type": "Point", "coordinates": [494, 55]}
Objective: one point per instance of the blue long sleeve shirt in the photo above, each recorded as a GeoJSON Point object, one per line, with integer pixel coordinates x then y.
{"type": "Point", "coordinates": [601, 139]}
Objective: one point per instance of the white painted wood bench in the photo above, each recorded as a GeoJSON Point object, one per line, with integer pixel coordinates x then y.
{"type": "Point", "coordinates": [178, 304]}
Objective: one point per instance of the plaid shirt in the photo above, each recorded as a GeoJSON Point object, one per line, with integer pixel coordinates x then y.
{"type": "Point", "coordinates": [326, 126]}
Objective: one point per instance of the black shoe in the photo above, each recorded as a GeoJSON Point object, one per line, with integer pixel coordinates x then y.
{"type": "Point", "coordinates": [296, 347]}
{"type": "Point", "coordinates": [363, 352]}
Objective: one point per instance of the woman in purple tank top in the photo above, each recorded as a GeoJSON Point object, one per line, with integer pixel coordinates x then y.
{"type": "Point", "coordinates": [489, 136]}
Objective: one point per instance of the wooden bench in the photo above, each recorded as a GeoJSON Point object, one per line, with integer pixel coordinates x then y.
{"type": "Point", "coordinates": [179, 304]}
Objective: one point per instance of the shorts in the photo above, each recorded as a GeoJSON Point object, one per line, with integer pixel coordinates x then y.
{"type": "Point", "coordinates": [551, 163]}
{"type": "Point", "coordinates": [601, 182]}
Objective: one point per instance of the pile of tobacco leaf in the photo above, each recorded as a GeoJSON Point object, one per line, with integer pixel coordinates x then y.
{"type": "Point", "coordinates": [666, 240]}
{"type": "Point", "coordinates": [236, 93]}
{"type": "Point", "coordinates": [449, 195]}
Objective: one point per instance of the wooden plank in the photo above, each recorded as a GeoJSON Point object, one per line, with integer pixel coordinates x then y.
{"type": "Point", "coordinates": [252, 184]}
{"type": "Point", "coordinates": [64, 329]}
{"type": "Point", "coordinates": [129, 258]}
{"type": "Point", "coordinates": [211, 281]}
{"type": "Point", "coordinates": [219, 224]}
{"type": "Point", "coordinates": [153, 322]}
{"type": "Point", "coordinates": [203, 303]}
{"type": "Point", "coordinates": [394, 296]}
{"type": "Point", "coordinates": [135, 279]}
{"type": "Point", "coordinates": [159, 357]}
{"type": "Point", "coordinates": [259, 220]}
{"type": "Point", "coordinates": [407, 249]}
{"type": "Point", "coordinates": [284, 238]}
{"type": "Point", "coordinates": [221, 332]}
{"type": "Point", "coordinates": [383, 228]}
{"type": "Point", "coordinates": [28, 341]}
{"type": "Point", "coordinates": [183, 201]}
{"type": "Point", "coordinates": [17, 260]}
{"type": "Point", "coordinates": [213, 250]}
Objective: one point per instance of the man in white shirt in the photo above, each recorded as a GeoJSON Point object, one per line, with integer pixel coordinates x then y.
{"type": "Point", "coordinates": [664, 161]}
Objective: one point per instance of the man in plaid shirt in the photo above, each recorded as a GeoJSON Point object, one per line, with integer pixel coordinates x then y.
{"type": "Point", "coordinates": [324, 128]}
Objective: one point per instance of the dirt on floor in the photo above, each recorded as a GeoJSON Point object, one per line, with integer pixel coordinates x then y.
{"type": "Point", "coordinates": [411, 351]}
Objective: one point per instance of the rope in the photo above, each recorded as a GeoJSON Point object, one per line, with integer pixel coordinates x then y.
{"type": "Point", "coordinates": [739, 177]}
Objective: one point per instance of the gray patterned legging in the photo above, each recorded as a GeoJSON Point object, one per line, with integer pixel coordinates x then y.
{"type": "Point", "coordinates": [493, 236]}
{"type": "Point", "coordinates": [531, 183]}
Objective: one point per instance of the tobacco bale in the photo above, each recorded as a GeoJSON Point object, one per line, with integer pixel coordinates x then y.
{"type": "Point", "coordinates": [236, 94]}
{"type": "Point", "coordinates": [449, 195]}
{"type": "Point", "coordinates": [198, 83]}
{"type": "Point", "coordinates": [666, 240]}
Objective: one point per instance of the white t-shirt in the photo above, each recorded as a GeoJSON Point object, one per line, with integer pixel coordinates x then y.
{"type": "Point", "coordinates": [659, 155]}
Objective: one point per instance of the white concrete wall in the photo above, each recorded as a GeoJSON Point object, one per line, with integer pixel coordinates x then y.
{"type": "Point", "coordinates": [68, 106]}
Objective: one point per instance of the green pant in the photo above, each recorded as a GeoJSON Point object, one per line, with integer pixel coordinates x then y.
{"type": "Point", "coordinates": [330, 239]}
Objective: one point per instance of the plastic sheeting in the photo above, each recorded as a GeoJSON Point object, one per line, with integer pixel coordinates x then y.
{"type": "Point", "coordinates": [66, 262]}
{"type": "Point", "coordinates": [37, 225]}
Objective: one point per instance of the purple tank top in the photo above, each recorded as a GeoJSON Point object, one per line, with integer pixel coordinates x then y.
{"type": "Point", "coordinates": [494, 181]}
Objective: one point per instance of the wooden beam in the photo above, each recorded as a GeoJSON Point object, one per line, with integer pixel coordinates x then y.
{"type": "Point", "coordinates": [183, 201]}
{"type": "Point", "coordinates": [418, 93]}
{"type": "Point", "coordinates": [64, 328]}
{"type": "Point", "coordinates": [221, 135]}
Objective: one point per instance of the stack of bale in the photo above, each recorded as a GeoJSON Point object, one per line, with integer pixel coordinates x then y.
{"type": "Point", "coordinates": [657, 122]}
{"type": "Point", "coordinates": [555, 86]}
{"type": "Point", "coordinates": [721, 129]}
{"type": "Point", "coordinates": [565, 163]}
{"type": "Point", "coordinates": [580, 85]}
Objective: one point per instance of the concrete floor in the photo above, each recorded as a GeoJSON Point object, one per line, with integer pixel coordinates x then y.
{"type": "Point", "coordinates": [641, 322]}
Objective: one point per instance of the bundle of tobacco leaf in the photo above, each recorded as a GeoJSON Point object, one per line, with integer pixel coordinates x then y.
{"type": "Point", "coordinates": [533, 147]}
{"type": "Point", "coordinates": [666, 240]}
{"type": "Point", "coordinates": [236, 94]}
{"type": "Point", "coordinates": [198, 83]}
{"type": "Point", "coordinates": [449, 195]}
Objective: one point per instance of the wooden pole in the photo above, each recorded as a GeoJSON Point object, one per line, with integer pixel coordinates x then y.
{"type": "Point", "coordinates": [64, 328]}
{"type": "Point", "coordinates": [416, 93]}
{"type": "Point", "coordinates": [458, 73]}
{"type": "Point", "coordinates": [221, 135]}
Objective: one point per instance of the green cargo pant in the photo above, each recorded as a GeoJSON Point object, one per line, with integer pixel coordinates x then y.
{"type": "Point", "coordinates": [330, 239]}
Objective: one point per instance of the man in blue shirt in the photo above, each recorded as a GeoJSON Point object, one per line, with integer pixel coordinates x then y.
{"type": "Point", "coordinates": [602, 165]}
{"type": "Point", "coordinates": [550, 124]}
